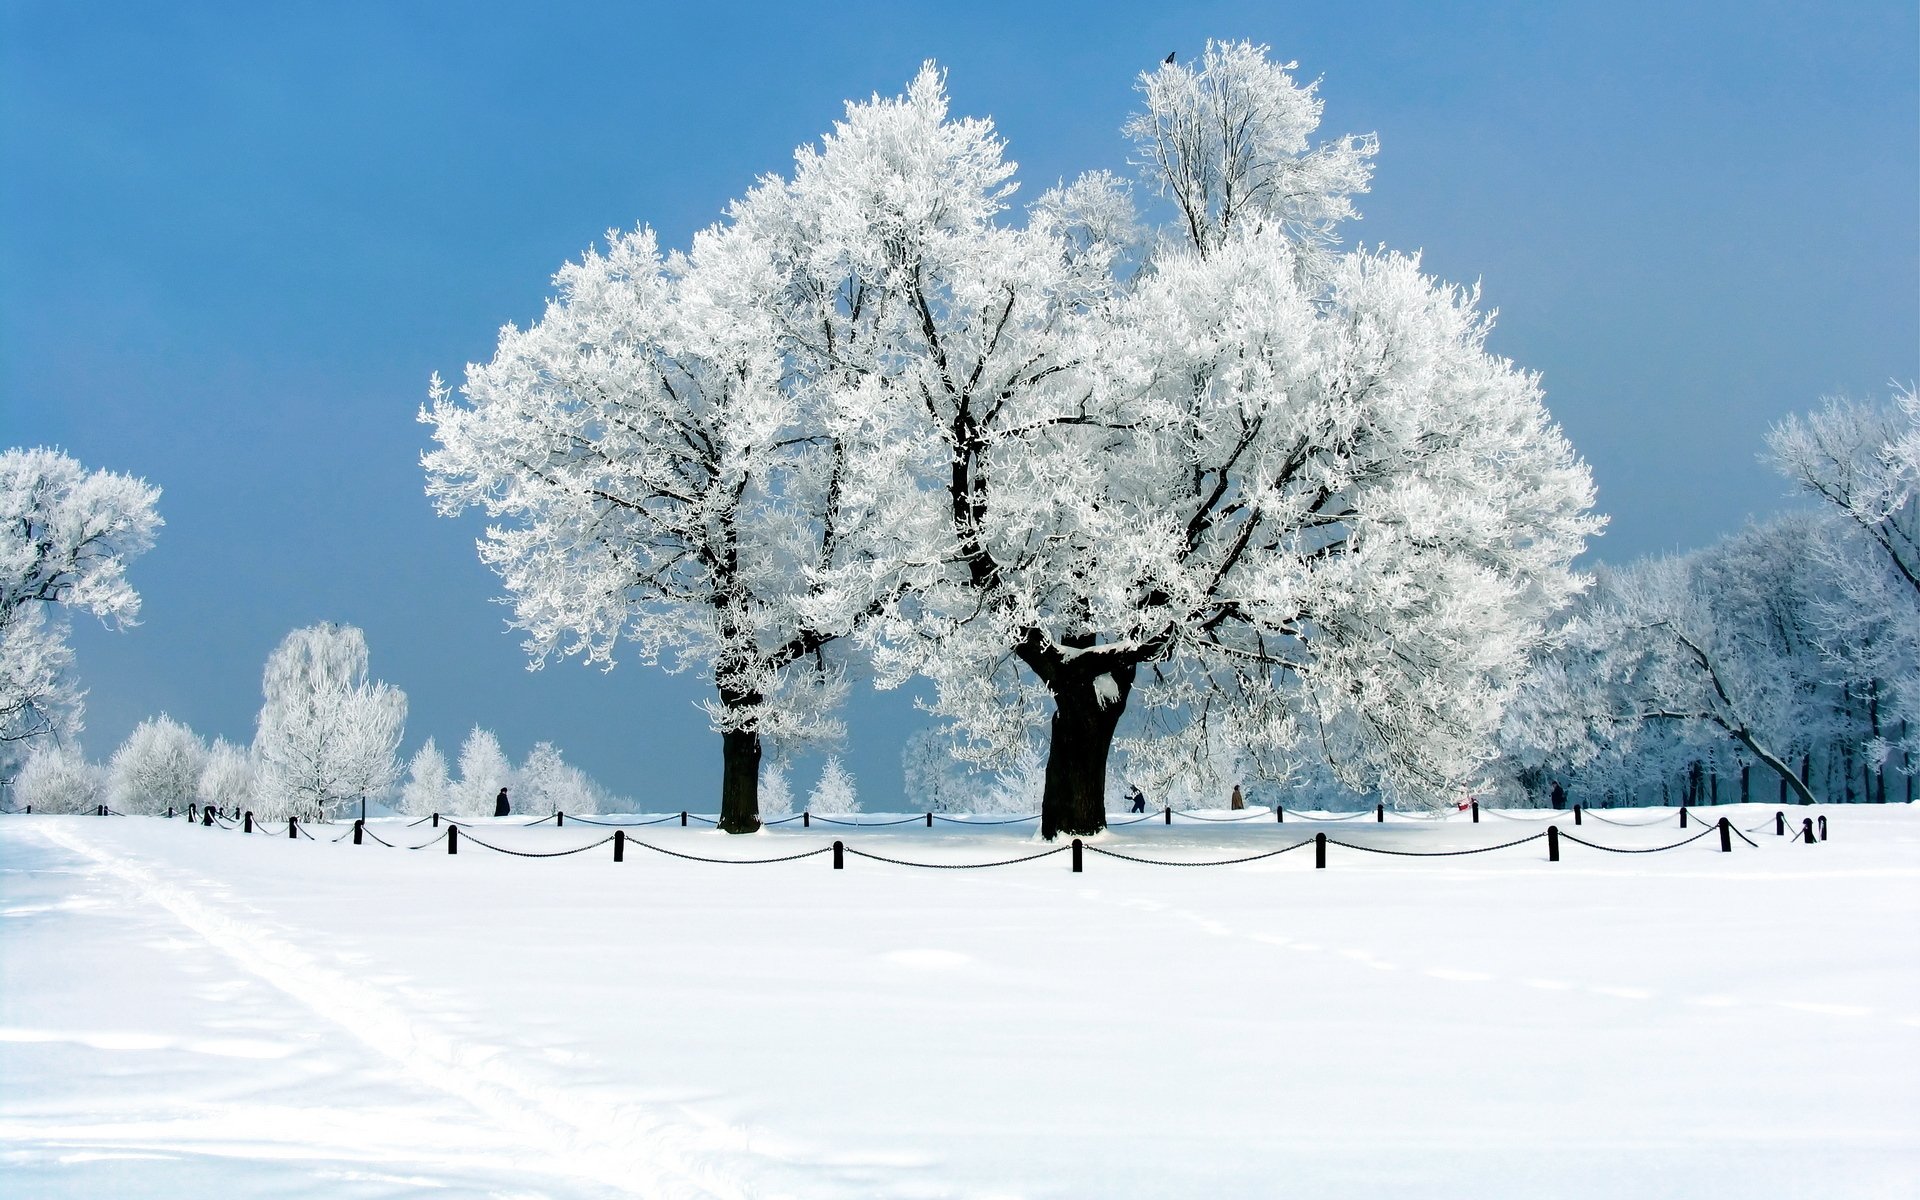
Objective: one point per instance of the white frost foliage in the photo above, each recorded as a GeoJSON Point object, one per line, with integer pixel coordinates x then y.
{"type": "Point", "coordinates": [327, 734]}
{"type": "Point", "coordinates": [1229, 139]}
{"type": "Point", "coordinates": [59, 779]}
{"type": "Point", "coordinates": [776, 792]}
{"type": "Point", "coordinates": [427, 789]}
{"type": "Point", "coordinates": [230, 778]}
{"type": "Point", "coordinates": [547, 783]}
{"type": "Point", "coordinates": [157, 768]}
{"type": "Point", "coordinates": [65, 539]}
{"type": "Point", "coordinates": [835, 793]}
{"type": "Point", "coordinates": [484, 770]}
{"type": "Point", "coordinates": [1018, 787]}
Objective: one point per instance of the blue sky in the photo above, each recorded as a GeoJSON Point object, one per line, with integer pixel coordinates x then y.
{"type": "Point", "coordinates": [236, 238]}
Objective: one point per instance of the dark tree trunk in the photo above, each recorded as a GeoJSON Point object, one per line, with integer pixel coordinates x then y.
{"type": "Point", "coordinates": [740, 781]}
{"type": "Point", "coordinates": [1075, 799]}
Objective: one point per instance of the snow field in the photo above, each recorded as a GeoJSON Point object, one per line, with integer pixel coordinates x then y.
{"type": "Point", "coordinates": [187, 1010]}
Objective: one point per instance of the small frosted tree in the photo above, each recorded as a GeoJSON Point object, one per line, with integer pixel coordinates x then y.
{"type": "Point", "coordinates": [776, 793]}
{"type": "Point", "coordinates": [835, 793]}
{"type": "Point", "coordinates": [428, 787]}
{"type": "Point", "coordinates": [230, 778]}
{"type": "Point", "coordinates": [547, 783]}
{"type": "Point", "coordinates": [484, 770]}
{"type": "Point", "coordinates": [934, 777]}
{"type": "Point", "coordinates": [58, 779]}
{"type": "Point", "coordinates": [157, 768]}
{"type": "Point", "coordinates": [66, 536]}
{"type": "Point", "coordinates": [328, 735]}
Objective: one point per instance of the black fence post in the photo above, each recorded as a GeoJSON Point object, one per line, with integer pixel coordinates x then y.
{"type": "Point", "coordinates": [1076, 856]}
{"type": "Point", "coordinates": [193, 813]}
{"type": "Point", "coordinates": [293, 827]}
{"type": "Point", "coordinates": [358, 828]}
{"type": "Point", "coordinates": [453, 838]}
{"type": "Point", "coordinates": [1476, 812]}
{"type": "Point", "coordinates": [1780, 824]}
{"type": "Point", "coordinates": [1576, 814]}
{"type": "Point", "coordinates": [206, 817]}
{"type": "Point", "coordinates": [436, 820]}
{"type": "Point", "coordinates": [1553, 843]}
{"type": "Point", "coordinates": [1167, 812]}
{"type": "Point", "coordinates": [1380, 814]}
{"type": "Point", "coordinates": [1320, 851]}
{"type": "Point", "coordinates": [683, 818]}
{"type": "Point", "coordinates": [1823, 827]}
{"type": "Point", "coordinates": [929, 820]}
{"type": "Point", "coordinates": [559, 819]}
{"type": "Point", "coordinates": [806, 820]}
{"type": "Point", "coordinates": [1683, 816]}
{"type": "Point", "coordinates": [619, 845]}
{"type": "Point", "coordinates": [1726, 836]}
{"type": "Point", "coordinates": [1806, 830]}
{"type": "Point", "coordinates": [169, 811]}
{"type": "Point", "coordinates": [1279, 815]}
{"type": "Point", "coordinates": [246, 822]}
{"type": "Point", "coordinates": [839, 856]}
{"type": "Point", "coordinates": [99, 810]}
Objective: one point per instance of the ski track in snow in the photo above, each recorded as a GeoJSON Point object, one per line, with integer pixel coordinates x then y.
{"type": "Point", "coordinates": [634, 1149]}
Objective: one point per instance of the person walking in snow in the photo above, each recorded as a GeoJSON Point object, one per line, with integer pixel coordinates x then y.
{"type": "Point", "coordinates": [1558, 796]}
{"type": "Point", "coordinates": [1138, 797]}
{"type": "Point", "coordinates": [500, 804]}
{"type": "Point", "coordinates": [1238, 800]}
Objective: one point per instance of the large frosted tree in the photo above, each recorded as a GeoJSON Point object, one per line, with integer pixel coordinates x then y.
{"type": "Point", "coordinates": [1283, 496]}
{"type": "Point", "coordinates": [662, 481]}
{"type": "Point", "coordinates": [66, 535]}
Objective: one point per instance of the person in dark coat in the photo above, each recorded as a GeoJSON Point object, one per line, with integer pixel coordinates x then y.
{"type": "Point", "coordinates": [1558, 795]}
{"type": "Point", "coordinates": [1139, 799]}
{"type": "Point", "coordinates": [500, 804]}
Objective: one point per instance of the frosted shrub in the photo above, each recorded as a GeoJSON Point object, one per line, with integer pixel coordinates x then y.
{"type": "Point", "coordinates": [776, 794]}
{"type": "Point", "coordinates": [157, 768]}
{"type": "Point", "coordinates": [428, 787]}
{"type": "Point", "coordinates": [835, 793]}
{"type": "Point", "coordinates": [230, 776]}
{"type": "Point", "coordinates": [59, 779]}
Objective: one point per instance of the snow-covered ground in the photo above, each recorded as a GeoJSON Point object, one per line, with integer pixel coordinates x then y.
{"type": "Point", "coordinates": [193, 1012]}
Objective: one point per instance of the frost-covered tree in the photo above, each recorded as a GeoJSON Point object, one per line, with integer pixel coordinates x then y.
{"type": "Point", "coordinates": [547, 783]}
{"type": "Point", "coordinates": [327, 734]}
{"type": "Point", "coordinates": [662, 478]}
{"type": "Point", "coordinates": [1712, 645]}
{"type": "Point", "coordinates": [230, 779]}
{"type": "Point", "coordinates": [1293, 508]}
{"type": "Point", "coordinates": [428, 788]}
{"type": "Point", "coordinates": [835, 793]}
{"type": "Point", "coordinates": [934, 777]}
{"type": "Point", "coordinates": [776, 793]}
{"type": "Point", "coordinates": [66, 536]}
{"type": "Point", "coordinates": [57, 778]}
{"type": "Point", "coordinates": [484, 770]}
{"type": "Point", "coordinates": [1862, 461]}
{"type": "Point", "coordinates": [157, 768]}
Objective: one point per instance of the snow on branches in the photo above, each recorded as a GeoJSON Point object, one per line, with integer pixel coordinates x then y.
{"type": "Point", "coordinates": [66, 536]}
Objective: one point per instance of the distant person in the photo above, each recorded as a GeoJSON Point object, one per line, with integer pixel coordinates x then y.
{"type": "Point", "coordinates": [1558, 795]}
{"type": "Point", "coordinates": [1238, 801]}
{"type": "Point", "coordinates": [500, 806]}
{"type": "Point", "coordinates": [1138, 798]}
